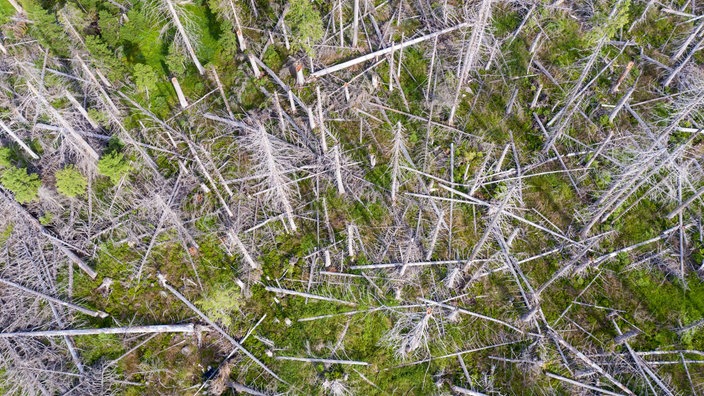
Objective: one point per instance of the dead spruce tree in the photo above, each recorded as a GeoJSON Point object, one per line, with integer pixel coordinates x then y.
{"type": "Point", "coordinates": [479, 15]}
{"type": "Point", "coordinates": [273, 162]}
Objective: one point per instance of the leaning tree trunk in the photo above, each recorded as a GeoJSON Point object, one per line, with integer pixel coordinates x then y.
{"type": "Point", "coordinates": [182, 32]}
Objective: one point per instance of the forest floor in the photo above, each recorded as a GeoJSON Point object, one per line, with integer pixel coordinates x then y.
{"type": "Point", "coordinates": [453, 197]}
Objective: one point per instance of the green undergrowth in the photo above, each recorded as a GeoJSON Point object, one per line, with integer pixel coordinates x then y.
{"type": "Point", "coordinates": [138, 54]}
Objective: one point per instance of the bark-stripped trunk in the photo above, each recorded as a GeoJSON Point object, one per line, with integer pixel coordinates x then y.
{"type": "Point", "coordinates": [19, 141]}
{"type": "Point", "coordinates": [184, 35]}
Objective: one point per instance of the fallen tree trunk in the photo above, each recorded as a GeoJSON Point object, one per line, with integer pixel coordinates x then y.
{"type": "Point", "coordinates": [75, 307]}
{"type": "Point", "coordinates": [179, 92]}
{"type": "Point", "coordinates": [73, 135]}
{"type": "Point", "coordinates": [80, 109]}
{"type": "Point", "coordinates": [244, 389]}
{"type": "Point", "coordinates": [686, 203]}
{"type": "Point", "coordinates": [19, 141]}
{"type": "Point", "coordinates": [557, 338]}
{"type": "Point", "coordinates": [470, 313]}
{"type": "Point", "coordinates": [581, 385]}
{"type": "Point", "coordinates": [307, 295]}
{"type": "Point", "coordinates": [326, 361]}
{"type": "Point", "coordinates": [364, 58]}
{"type": "Point", "coordinates": [184, 328]}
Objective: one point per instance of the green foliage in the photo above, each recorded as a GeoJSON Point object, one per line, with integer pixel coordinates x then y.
{"type": "Point", "coordinates": [252, 97]}
{"type": "Point", "coordinates": [5, 157]}
{"type": "Point", "coordinates": [97, 347]}
{"type": "Point", "coordinates": [70, 182]}
{"type": "Point", "coordinates": [114, 165]}
{"type": "Point", "coordinates": [176, 60]}
{"type": "Point", "coordinates": [98, 116]}
{"type": "Point", "coordinates": [145, 78]}
{"type": "Point", "coordinates": [44, 27]}
{"type": "Point", "coordinates": [207, 223]}
{"type": "Point", "coordinates": [220, 303]}
{"type": "Point", "coordinates": [160, 106]}
{"type": "Point", "coordinates": [46, 219]}
{"type": "Point", "coordinates": [413, 81]}
{"type": "Point", "coordinates": [466, 158]}
{"type": "Point", "coordinates": [142, 46]}
{"type": "Point", "coordinates": [567, 40]}
{"type": "Point", "coordinates": [604, 120]}
{"type": "Point", "coordinates": [305, 23]}
{"type": "Point", "coordinates": [24, 185]}
{"type": "Point", "coordinates": [206, 30]}
{"type": "Point", "coordinates": [506, 22]}
{"type": "Point", "coordinates": [229, 45]}
{"type": "Point", "coordinates": [109, 25]}
{"type": "Point", "coordinates": [6, 12]}
{"type": "Point", "coordinates": [142, 39]}
{"type": "Point", "coordinates": [114, 145]}
{"type": "Point", "coordinates": [105, 58]}
{"type": "Point", "coordinates": [368, 211]}
{"type": "Point", "coordinates": [6, 232]}
{"type": "Point", "coordinates": [697, 251]}
{"type": "Point", "coordinates": [606, 26]}
{"type": "Point", "coordinates": [272, 58]}
{"type": "Point", "coordinates": [650, 32]}
{"type": "Point", "coordinates": [643, 221]}
{"type": "Point", "coordinates": [666, 300]}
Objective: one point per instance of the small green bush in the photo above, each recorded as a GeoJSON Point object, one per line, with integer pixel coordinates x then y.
{"type": "Point", "coordinates": [176, 60]}
{"type": "Point", "coordinates": [114, 165]}
{"type": "Point", "coordinates": [272, 58]}
{"type": "Point", "coordinates": [46, 219]}
{"type": "Point", "coordinates": [109, 25]}
{"type": "Point", "coordinates": [111, 65]}
{"type": "Point", "coordinates": [70, 182]}
{"type": "Point", "coordinates": [24, 185]}
{"type": "Point", "coordinates": [5, 155]}
{"type": "Point", "coordinates": [45, 29]}
{"type": "Point", "coordinates": [305, 23]}
{"type": "Point", "coordinates": [145, 78]}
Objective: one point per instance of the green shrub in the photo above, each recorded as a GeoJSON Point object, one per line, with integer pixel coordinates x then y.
{"type": "Point", "coordinates": [109, 25]}
{"type": "Point", "coordinates": [99, 117]}
{"type": "Point", "coordinates": [45, 28]}
{"type": "Point", "coordinates": [305, 23]}
{"type": "Point", "coordinates": [606, 25]}
{"type": "Point", "coordinates": [6, 233]}
{"type": "Point", "coordinates": [145, 78]}
{"type": "Point", "coordinates": [176, 60]}
{"type": "Point", "coordinates": [272, 58]}
{"type": "Point", "coordinates": [70, 182]}
{"type": "Point", "coordinates": [114, 145]}
{"type": "Point", "coordinates": [110, 64]}
{"type": "Point", "coordinates": [24, 185]}
{"type": "Point", "coordinates": [5, 155]}
{"type": "Point", "coordinates": [114, 165]}
{"type": "Point", "coordinates": [228, 44]}
{"type": "Point", "coordinates": [46, 219]}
